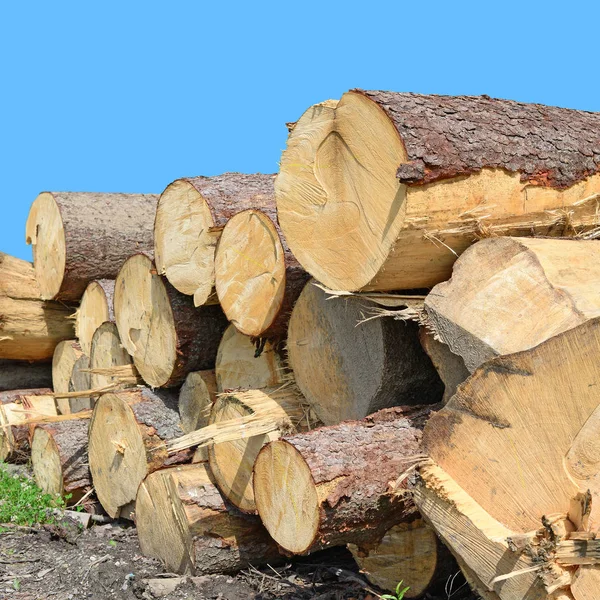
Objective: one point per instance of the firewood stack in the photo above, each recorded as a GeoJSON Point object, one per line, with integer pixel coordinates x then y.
{"type": "Point", "coordinates": [391, 345]}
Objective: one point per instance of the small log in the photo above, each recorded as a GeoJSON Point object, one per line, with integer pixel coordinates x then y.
{"type": "Point", "coordinates": [285, 411]}
{"type": "Point", "coordinates": [96, 307]}
{"type": "Point", "coordinates": [333, 485]}
{"type": "Point", "coordinates": [196, 397]}
{"type": "Point", "coordinates": [408, 552]}
{"type": "Point", "coordinates": [81, 237]}
{"type": "Point", "coordinates": [110, 363]}
{"type": "Point", "coordinates": [30, 328]}
{"type": "Point", "coordinates": [17, 407]}
{"type": "Point", "coordinates": [60, 460]}
{"type": "Point", "coordinates": [383, 190]}
{"type": "Point", "coordinates": [347, 369]}
{"type": "Point", "coordinates": [160, 327]}
{"type": "Point", "coordinates": [183, 521]}
{"type": "Point", "coordinates": [80, 381]}
{"type": "Point", "coordinates": [190, 217]}
{"type": "Point", "coordinates": [67, 353]}
{"type": "Point", "coordinates": [449, 366]}
{"type": "Point", "coordinates": [510, 294]}
{"type": "Point", "coordinates": [127, 441]}
{"type": "Point", "coordinates": [18, 374]}
{"type": "Point", "coordinates": [257, 278]}
{"type": "Point", "coordinates": [241, 365]}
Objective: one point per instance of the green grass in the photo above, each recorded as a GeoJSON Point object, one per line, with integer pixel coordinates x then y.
{"type": "Point", "coordinates": [23, 503]}
{"type": "Point", "coordinates": [400, 592]}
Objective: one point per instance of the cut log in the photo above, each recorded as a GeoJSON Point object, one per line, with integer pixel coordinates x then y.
{"type": "Point", "coordinates": [110, 363]}
{"type": "Point", "coordinates": [383, 190]}
{"type": "Point", "coordinates": [96, 308]}
{"type": "Point", "coordinates": [449, 366]}
{"type": "Point", "coordinates": [514, 451]}
{"type": "Point", "coordinates": [190, 217]}
{"type": "Point", "coordinates": [67, 353]}
{"type": "Point", "coordinates": [332, 486]}
{"type": "Point", "coordinates": [411, 553]}
{"type": "Point", "coordinates": [60, 460]}
{"type": "Point", "coordinates": [241, 365]}
{"type": "Point", "coordinates": [196, 398]}
{"type": "Point", "coordinates": [160, 327]}
{"type": "Point", "coordinates": [80, 237]}
{"type": "Point", "coordinates": [510, 294]}
{"type": "Point", "coordinates": [348, 370]}
{"type": "Point", "coordinates": [257, 278]}
{"type": "Point", "coordinates": [18, 374]}
{"type": "Point", "coordinates": [231, 462]}
{"type": "Point", "coordinates": [128, 431]}
{"type": "Point", "coordinates": [183, 521]}
{"type": "Point", "coordinates": [30, 329]}
{"type": "Point", "coordinates": [80, 381]}
{"type": "Point", "coordinates": [17, 407]}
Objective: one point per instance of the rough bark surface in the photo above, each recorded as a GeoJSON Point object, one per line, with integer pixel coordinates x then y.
{"type": "Point", "coordinates": [448, 136]}
{"type": "Point", "coordinates": [18, 374]}
{"type": "Point", "coordinates": [101, 232]}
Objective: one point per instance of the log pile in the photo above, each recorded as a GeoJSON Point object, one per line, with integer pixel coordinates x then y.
{"type": "Point", "coordinates": [391, 346]}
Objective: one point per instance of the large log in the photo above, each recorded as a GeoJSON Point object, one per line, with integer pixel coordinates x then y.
{"type": "Point", "coordinates": [190, 217]}
{"type": "Point", "coordinates": [332, 485]}
{"type": "Point", "coordinates": [231, 462]}
{"type": "Point", "coordinates": [80, 237]}
{"type": "Point", "coordinates": [515, 478]}
{"type": "Point", "coordinates": [59, 458]}
{"type": "Point", "coordinates": [347, 369]}
{"type": "Point", "coordinates": [19, 374]}
{"type": "Point", "coordinates": [30, 328]}
{"type": "Point", "coordinates": [383, 190]}
{"type": "Point", "coordinates": [160, 327]}
{"type": "Point", "coordinates": [96, 307]}
{"type": "Point", "coordinates": [183, 521]}
{"type": "Point", "coordinates": [66, 354]}
{"type": "Point", "coordinates": [241, 365]}
{"type": "Point", "coordinates": [257, 278]}
{"type": "Point", "coordinates": [510, 294]}
{"type": "Point", "coordinates": [128, 432]}
{"type": "Point", "coordinates": [17, 407]}
{"type": "Point", "coordinates": [110, 363]}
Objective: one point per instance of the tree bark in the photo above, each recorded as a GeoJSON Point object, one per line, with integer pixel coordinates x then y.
{"type": "Point", "coordinates": [160, 327]}
{"type": "Point", "coordinates": [59, 458]}
{"type": "Point", "coordinates": [17, 374]}
{"type": "Point", "coordinates": [333, 485]}
{"type": "Point", "coordinates": [96, 308]}
{"type": "Point", "coordinates": [183, 521]}
{"type": "Point", "coordinates": [128, 431]}
{"type": "Point", "coordinates": [257, 278]}
{"type": "Point", "coordinates": [190, 217]}
{"type": "Point", "coordinates": [81, 237]}
{"type": "Point", "coordinates": [240, 364]}
{"type": "Point", "coordinates": [30, 328]}
{"type": "Point", "coordinates": [66, 354]}
{"type": "Point", "coordinates": [384, 190]}
{"type": "Point", "coordinates": [347, 369]}
{"type": "Point", "coordinates": [510, 294]}
{"type": "Point", "coordinates": [281, 410]}
{"type": "Point", "coordinates": [16, 407]}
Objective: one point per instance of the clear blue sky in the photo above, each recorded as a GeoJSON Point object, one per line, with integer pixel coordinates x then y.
{"type": "Point", "coordinates": [128, 96]}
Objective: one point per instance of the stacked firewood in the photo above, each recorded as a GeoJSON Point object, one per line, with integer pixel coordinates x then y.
{"type": "Point", "coordinates": [391, 345]}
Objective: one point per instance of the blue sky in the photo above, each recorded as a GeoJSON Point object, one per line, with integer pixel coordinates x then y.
{"type": "Point", "coordinates": [129, 96]}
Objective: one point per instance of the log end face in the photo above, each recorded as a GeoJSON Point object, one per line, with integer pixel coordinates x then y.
{"type": "Point", "coordinates": [340, 204]}
{"type": "Point", "coordinates": [44, 230]}
{"type": "Point", "coordinates": [286, 497]}
{"type": "Point", "coordinates": [93, 311]}
{"type": "Point", "coordinates": [46, 463]}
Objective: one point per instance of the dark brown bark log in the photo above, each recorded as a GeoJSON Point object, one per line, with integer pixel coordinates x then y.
{"type": "Point", "coordinates": [100, 231]}
{"type": "Point", "coordinates": [333, 485]}
{"type": "Point", "coordinates": [18, 374]}
{"type": "Point", "coordinates": [448, 136]}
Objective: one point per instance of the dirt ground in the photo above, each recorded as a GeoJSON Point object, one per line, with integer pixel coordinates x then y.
{"type": "Point", "coordinates": [104, 562]}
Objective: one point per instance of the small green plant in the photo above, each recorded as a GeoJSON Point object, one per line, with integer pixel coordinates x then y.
{"type": "Point", "coordinates": [112, 543]}
{"type": "Point", "coordinates": [400, 592]}
{"type": "Point", "coordinates": [23, 503]}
